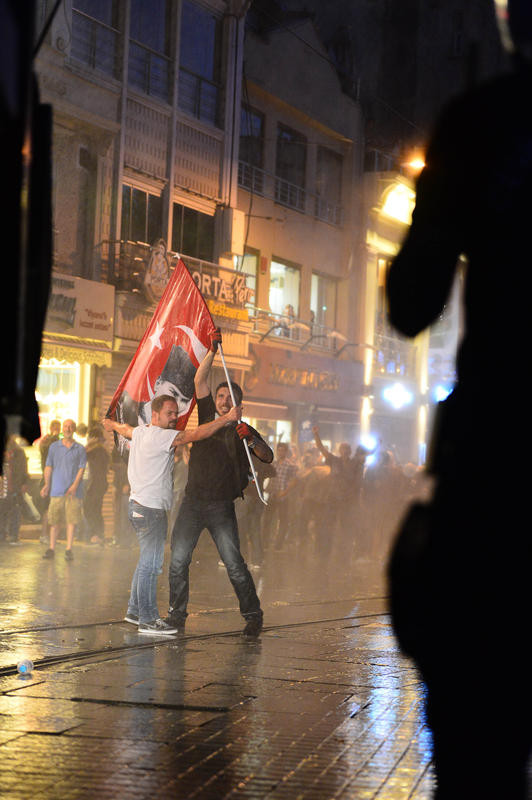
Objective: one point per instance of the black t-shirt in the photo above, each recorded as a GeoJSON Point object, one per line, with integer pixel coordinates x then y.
{"type": "Point", "coordinates": [218, 465]}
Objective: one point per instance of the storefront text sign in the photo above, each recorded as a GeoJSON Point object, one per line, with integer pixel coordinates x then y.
{"type": "Point", "coordinates": [232, 291]}
{"type": "Point", "coordinates": [294, 377]}
{"type": "Point", "coordinates": [306, 378]}
{"type": "Point", "coordinates": [81, 308]}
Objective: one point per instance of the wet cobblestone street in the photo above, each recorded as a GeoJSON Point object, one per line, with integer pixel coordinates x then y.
{"type": "Point", "coordinates": [323, 705]}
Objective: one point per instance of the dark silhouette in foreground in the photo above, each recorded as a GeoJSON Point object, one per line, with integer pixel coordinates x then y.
{"type": "Point", "coordinates": [459, 571]}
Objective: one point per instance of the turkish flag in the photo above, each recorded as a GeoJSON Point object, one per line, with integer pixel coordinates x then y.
{"type": "Point", "coordinates": [176, 341]}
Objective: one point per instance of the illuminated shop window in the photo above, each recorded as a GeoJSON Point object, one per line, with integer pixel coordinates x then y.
{"type": "Point", "coordinates": [58, 397]}
{"type": "Point", "coordinates": [272, 431]}
{"type": "Point", "coordinates": [57, 391]}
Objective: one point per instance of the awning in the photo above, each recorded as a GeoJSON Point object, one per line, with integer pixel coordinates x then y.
{"type": "Point", "coordinates": [80, 350]}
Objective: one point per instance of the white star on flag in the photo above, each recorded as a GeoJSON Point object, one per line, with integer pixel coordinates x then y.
{"type": "Point", "coordinates": [155, 338]}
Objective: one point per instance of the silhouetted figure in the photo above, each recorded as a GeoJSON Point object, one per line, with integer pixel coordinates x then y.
{"type": "Point", "coordinates": [459, 571]}
{"type": "Point", "coordinates": [96, 487]}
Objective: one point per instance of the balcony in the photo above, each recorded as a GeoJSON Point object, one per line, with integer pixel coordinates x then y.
{"type": "Point", "coordinates": [274, 328]}
{"type": "Point", "coordinates": [260, 182]}
{"type": "Point", "coordinates": [149, 71]}
{"type": "Point", "coordinates": [198, 96]}
{"type": "Point", "coordinates": [290, 195]}
{"type": "Point", "coordinates": [95, 44]}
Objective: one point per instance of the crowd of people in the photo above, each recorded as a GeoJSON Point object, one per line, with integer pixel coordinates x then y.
{"type": "Point", "coordinates": [346, 504]}
{"type": "Point", "coordinates": [68, 500]}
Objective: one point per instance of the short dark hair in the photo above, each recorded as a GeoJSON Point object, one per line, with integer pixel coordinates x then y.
{"type": "Point", "coordinates": [158, 402]}
{"type": "Point", "coordinates": [95, 431]}
{"type": "Point", "coordinates": [237, 391]}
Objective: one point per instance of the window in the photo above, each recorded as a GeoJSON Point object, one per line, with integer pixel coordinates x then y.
{"type": "Point", "coordinates": [329, 186]}
{"type": "Point", "coordinates": [284, 288]}
{"type": "Point", "coordinates": [323, 300]}
{"type": "Point", "coordinates": [250, 174]}
{"type": "Point", "coordinates": [199, 67]}
{"type": "Point", "coordinates": [141, 216]}
{"type": "Point", "coordinates": [149, 47]}
{"type": "Point", "coordinates": [290, 168]}
{"type": "Point", "coordinates": [192, 233]}
{"type": "Point", "coordinates": [249, 263]}
{"type": "Point", "coordinates": [95, 30]}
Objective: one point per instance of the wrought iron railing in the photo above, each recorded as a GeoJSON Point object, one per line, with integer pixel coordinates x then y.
{"type": "Point", "coordinates": [261, 182]}
{"type": "Point", "coordinates": [198, 96]}
{"type": "Point", "coordinates": [95, 44]}
{"type": "Point", "coordinates": [149, 70]}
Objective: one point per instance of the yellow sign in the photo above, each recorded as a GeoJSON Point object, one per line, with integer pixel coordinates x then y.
{"type": "Point", "coordinates": [221, 310]}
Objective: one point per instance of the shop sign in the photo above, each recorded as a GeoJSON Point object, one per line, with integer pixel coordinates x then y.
{"type": "Point", "coordinates": [81, 308]}
{"type": "Point", "coordinates": [290, 376]}
{"type": "Point", "coordinates": [305, 377]}
{"type": "Point", "coordinates": [215, 288]}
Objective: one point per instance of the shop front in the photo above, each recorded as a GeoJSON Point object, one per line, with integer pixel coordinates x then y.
{"type": "Point", "coordinates": [77, 344]}
{"type": "Point", "coordinates": [287, 392]}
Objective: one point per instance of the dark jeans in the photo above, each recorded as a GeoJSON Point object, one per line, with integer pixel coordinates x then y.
{"type": "Point", "coordinates": [220, 520]}
{"type": "Point", "coordinates": [11, 518]}
{"type": "Point", "coordinates": [92, 510]}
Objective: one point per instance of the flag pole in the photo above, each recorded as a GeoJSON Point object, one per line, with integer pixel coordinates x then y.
{"type": "Point", "coordinates": [246, 446]}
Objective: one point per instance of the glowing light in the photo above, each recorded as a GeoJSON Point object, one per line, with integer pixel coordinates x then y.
{"type": "Point", "coordinates": [399, 203]}
{"type": "Point", "coordinates": [368, 441]}
{"type": "Point", "coordinates": [441, 392]}
{"type": "Point", "coordinates": [416, 164]}
{"type": "Point", "coordinates": [397, 396]}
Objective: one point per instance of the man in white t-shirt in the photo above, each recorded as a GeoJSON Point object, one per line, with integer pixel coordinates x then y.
{"type": "Point", "coordinates": [150, 468]}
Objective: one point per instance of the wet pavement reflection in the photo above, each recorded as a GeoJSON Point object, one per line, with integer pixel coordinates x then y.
{"type": "Point", "coordinates": [323, 705]}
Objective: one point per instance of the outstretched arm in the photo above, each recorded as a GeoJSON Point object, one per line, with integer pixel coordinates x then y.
{"type": "Point", "coordinates": [208, 428]}
{"type": "Point", "coordinates": [319, 444]}
{"type": "Point", "coordinates": [122, 428]}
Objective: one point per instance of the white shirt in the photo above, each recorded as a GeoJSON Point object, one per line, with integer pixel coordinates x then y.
{"type": "Point", "coordinates": [150, 466]}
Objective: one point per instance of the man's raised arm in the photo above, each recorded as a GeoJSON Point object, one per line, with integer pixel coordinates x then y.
{"type": "Point", "coordinates": [201, 378]}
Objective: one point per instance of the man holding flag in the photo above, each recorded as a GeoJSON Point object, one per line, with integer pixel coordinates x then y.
{"type": "Point", "coordinates": [157, 387]}
{"type": "Point", "coordinates": [150, 468]}
{"type": "Point", "coordinates": [218, 473]}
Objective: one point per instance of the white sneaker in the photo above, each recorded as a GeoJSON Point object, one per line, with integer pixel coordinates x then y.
{"type": "Point", "coordinates": [157, 628]}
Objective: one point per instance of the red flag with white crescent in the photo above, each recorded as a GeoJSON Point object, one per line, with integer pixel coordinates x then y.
{"type": "Point", "coordinates": [175, 342]}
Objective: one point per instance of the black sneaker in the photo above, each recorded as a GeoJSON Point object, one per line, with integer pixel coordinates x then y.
{"type": "Point", "coordinates": [253, 627]}
{"type": "Point", "coordinates": [157, 628]}
{"type": "Point", "coordinates": [175, 623]}
{"type": "Point", "coordinates": [49, 553]}
{"type": "Point", "coordinates": [133, 618]}
{"type": "Point", "coordinates": [69, 555]}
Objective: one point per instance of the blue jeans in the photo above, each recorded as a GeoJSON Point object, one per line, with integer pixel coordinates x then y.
{"type": "Point", "coordinates": [150, 525]}
{"type": "Point", "coordinates": [220, 520]}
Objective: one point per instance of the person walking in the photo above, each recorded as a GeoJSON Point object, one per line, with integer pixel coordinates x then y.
{"type": "Point", "coordinates": [218, 473]}
{"type": "Point", "coordinates": [44, 445]}
{"type": "Point", "coordinates": [150, 468]}
{"type": "Point", "coordinates": [63, 474]}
